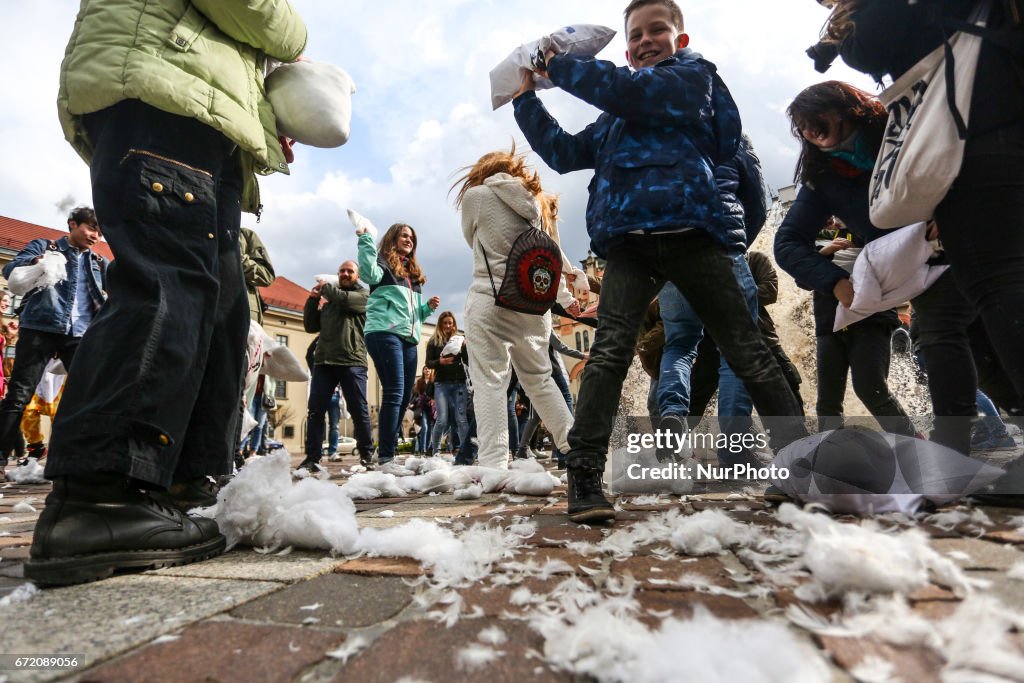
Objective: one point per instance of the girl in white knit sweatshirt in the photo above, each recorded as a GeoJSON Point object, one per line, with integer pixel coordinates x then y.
{"type": "Point", "coordinates": [500, 198]}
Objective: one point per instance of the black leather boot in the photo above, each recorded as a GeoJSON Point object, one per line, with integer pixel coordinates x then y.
{"type": "Point", "coordinates": [97, 524]}
{"type": "Point", "coordinates": [586, 499]}
{"type": "Point", "coordinates": [186, 495]}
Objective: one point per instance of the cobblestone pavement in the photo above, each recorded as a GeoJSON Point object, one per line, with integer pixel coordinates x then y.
{"type": "Point", "coordinates": [247, 616]}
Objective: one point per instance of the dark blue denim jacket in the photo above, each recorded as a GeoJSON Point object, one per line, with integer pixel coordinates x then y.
{"type": "Point", "coordinates": [654, 149]}
{"type": "Point", "coordinates": [49, 309]}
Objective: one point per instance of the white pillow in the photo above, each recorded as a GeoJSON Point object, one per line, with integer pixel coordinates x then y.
{"type": "Point", "coordinates": [454, 345]}
{"type": "Point", "coordinates": [47, 272]}
{"type": "Point", "coordinates": [580, 39]}
{"type": "Point", "coordinates": [312, 102]}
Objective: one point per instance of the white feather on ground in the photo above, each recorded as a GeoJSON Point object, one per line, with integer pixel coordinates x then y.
{"type": "Point", "coordinates": [615, 647]}
{"type": "Point", "coordinates": [263, 507]}
{"type": "Point", "coordinates": [22, 593]}
{"type": "Point", "coordinates": [29, 473]}
{"type": "Point", "coordinates": [860, 558]}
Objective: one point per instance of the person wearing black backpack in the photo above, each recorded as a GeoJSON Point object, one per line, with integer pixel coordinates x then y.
{"type": "Point", "coordinates": [500, 200]}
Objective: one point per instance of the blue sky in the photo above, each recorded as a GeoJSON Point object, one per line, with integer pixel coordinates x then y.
{"type": "Point", "coordinates": [421, 112]}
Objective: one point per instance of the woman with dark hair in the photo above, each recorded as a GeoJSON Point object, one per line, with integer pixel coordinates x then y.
{"type": "Point", "coordinates": [840, 129]}
{"type": "Point", "coordinates": [981, 219]}
{"type": "Point", "coordinates": [451, 393]}
{"type": "Point", "coordinates": [836, 182]}
{"type": "Point", "coordinates": [394, 314]}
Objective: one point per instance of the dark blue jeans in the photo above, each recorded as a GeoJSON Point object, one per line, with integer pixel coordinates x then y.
{"type": "Point", "coordinates": [158, 399]}
{"type": "Point", "coordinates": [636, 269]}
{"type": "Point", "coordinates": [452, 400]}
{"type": "Point", "coordinates": [353, 387]}
{"type": "Point", "coordinates": [333, 418]}
{"type": "Point", "coordinates": [395, 360]}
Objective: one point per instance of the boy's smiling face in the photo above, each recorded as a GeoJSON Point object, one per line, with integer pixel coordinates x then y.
{"type": "Point", "coordinates": [652, 36]}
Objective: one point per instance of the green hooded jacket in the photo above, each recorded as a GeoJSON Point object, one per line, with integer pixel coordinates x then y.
{"type": "Point", "coordinates": [204, 59]}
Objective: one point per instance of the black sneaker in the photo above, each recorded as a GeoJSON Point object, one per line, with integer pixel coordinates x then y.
{"type": "Point", "coordinates": [586, 499]}
{"type": "Point", "coordinates": [186, 495]}
{"type": "Point", "coordinates": [676, 425]}
{"type": "Point", "coordinates": [95, 525]}
{"type": "Point", "coordinates": [36, 450]}
{"type": "Point", "coordinates": [365, 458]}
{"type": "Point", "coordinates": [311, 464]}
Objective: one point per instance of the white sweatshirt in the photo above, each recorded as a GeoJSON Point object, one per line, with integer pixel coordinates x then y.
{"type": "Point", "coordinates": [493, 216]}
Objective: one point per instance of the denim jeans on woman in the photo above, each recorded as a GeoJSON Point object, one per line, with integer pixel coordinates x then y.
{"type": "Point", "coordinates": [395, 360]}
{"type": "Point", "coordinates": [452, 400]}
{"type": "Point", "coordinates": [637, 268]}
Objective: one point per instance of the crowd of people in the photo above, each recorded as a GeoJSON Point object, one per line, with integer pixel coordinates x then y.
{"type": "Point", "coordinates": [675, 202]}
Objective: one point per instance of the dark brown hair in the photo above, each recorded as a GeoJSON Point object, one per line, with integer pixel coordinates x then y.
{"type": "Point", "coordinates": [808, 111]}
{"type": "Point", "coordinates": [388, 251]}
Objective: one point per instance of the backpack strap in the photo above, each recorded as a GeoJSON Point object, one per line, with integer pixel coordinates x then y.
{"type": "Point", "coordinates": [490, 275]}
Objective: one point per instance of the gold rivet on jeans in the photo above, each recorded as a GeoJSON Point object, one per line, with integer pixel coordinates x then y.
{"type": "Point", "coordinates": [189, 197]}
{"type": "Point", "coordinates": [157, 187]}
{"type": "Point", "coordinates": [210, 235]}
{"type": "Point", "coordinates": [164, 440]}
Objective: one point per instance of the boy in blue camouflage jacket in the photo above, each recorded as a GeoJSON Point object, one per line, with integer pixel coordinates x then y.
{"type": "Point", "coordinates": [654, 214]}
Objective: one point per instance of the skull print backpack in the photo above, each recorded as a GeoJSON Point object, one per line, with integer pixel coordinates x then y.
{"type": "Point", "coordinates": [532, 272]}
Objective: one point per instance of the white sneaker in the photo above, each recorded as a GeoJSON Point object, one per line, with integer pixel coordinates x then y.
{"type": "Point", "coordinates": [334, 457]}
{"type": "Point", "coordinates": [392, 467]}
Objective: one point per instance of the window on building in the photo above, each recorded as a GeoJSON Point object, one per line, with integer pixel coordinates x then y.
{"type": "Point", "coordinates": [281, 390]}
{"type": "Point", "coordinates": [579, 343]}
{"type": "Point", "coordinates": [282, 339]}
{"type": "Point", "coordinates": [289, 431]}
{"type": "Point", "coordinates": [586, 340]}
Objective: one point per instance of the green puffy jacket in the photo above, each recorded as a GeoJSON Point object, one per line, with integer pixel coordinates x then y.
{"type": "Point", "coordinates": [204, 59]}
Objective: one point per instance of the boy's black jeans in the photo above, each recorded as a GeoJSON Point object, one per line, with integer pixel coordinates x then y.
{"type": "Point", "coordinates": [35, 349]}
{"type": "Point", "coordinates": [155, 390]}
{"type": "Point", "coordinates": [636, 270]}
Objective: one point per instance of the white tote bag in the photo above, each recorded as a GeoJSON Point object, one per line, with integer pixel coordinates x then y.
{"type": "Point", "coordinates": [925, 135]}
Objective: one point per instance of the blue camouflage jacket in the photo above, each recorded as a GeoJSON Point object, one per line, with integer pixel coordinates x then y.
{"type": "Point", "coordinates": [654, 148]}
{"type": "Point", "coordinates": [49, 309]}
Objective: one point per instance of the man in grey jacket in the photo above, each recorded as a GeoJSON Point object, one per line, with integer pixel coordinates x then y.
{"type": "Point", "coordinates": [340, 358]}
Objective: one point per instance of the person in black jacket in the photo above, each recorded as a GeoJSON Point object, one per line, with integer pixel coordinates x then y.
{"type": "Point", "coordinates": [981, 219]}
{"type": "Point", "coordinates": [840, 129]}
{"type": "Point", "coordinates": [451, 392]}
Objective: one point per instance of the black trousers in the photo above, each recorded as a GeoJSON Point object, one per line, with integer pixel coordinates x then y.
{"type": "Point", "coordinates": [863, 351]}
{"type": "Point", "coordinates": [702, 270]}
{"type": "Point", "coordinates": [35, 349]}
{"type": "Point", "coordinates": [157, 396]}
